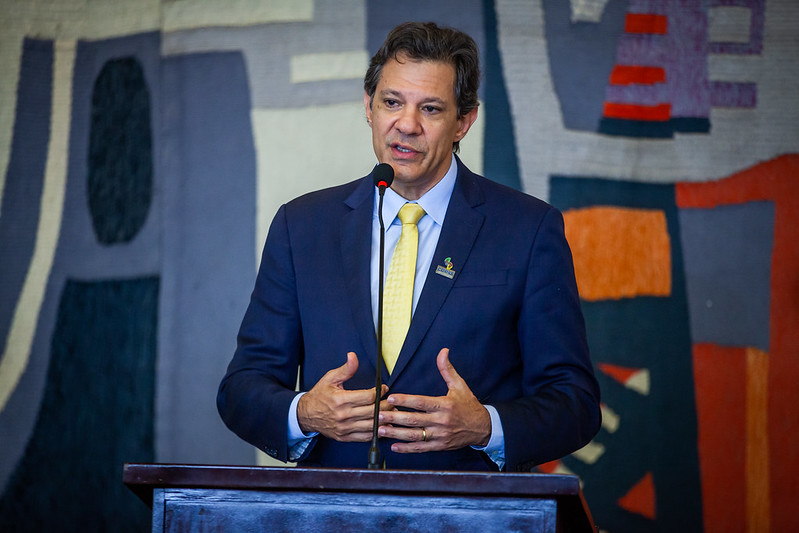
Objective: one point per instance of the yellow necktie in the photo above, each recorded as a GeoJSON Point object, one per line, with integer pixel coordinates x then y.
{"type": "Point", "coordinates": [398, 292]}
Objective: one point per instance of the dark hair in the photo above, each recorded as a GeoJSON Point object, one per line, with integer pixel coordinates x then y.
{"type": "Point", "coordinates": [425, 41]}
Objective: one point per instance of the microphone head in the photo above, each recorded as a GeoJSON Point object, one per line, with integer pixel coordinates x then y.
{"type": "Point", "coordinates": [383, 175]}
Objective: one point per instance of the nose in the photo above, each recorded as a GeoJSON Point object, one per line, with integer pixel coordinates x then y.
{"type": "Point", "coordinates": [408, 122]}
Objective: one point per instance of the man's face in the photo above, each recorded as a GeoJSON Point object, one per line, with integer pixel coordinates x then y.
{"type": "Point", "coordinates": [414, 121]}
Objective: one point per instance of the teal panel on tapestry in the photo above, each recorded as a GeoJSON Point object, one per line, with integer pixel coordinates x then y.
{"type": "Point", "coordinates": [500, 162]}
{"type": "Point", "coordinates": [657, 430]}
{"type": "Point", "coordinates": [120, 152]}
{"type": "Point", "coordinates": [96, 414]}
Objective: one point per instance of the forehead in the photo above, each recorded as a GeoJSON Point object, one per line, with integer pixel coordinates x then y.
{"type": "Point", "coordinates": [423, 77]}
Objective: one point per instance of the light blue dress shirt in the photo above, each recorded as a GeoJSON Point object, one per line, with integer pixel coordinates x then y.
{"type": "Point", "coordinates": [434, 203]}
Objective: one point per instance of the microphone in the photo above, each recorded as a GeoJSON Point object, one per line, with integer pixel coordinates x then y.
{"type": "Point", "coordinates": [383, 175]}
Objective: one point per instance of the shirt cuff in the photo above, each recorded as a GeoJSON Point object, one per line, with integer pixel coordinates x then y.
{"type": "Point", "coordinates": [495, 449]}
{"type": "Point", "coordinates": [298, 441]}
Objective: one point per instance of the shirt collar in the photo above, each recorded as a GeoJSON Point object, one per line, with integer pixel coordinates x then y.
{"type": "Point", "coordinates": [434, 202]}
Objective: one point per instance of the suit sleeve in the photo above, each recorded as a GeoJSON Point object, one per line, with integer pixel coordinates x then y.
{"type": "Point", "coordinates": [559, 411]}
{"type": "Point", "coordinates": [258, 388]}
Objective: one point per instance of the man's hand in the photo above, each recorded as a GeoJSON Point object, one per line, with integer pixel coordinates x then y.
{"type": "Point", "coordinates": [438, 423]}
{"type": "Point", "coordinates": [337, 413]}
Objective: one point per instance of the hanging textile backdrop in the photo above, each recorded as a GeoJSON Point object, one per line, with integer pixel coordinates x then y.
{"type": "Point", "coordinates": [145, 146]}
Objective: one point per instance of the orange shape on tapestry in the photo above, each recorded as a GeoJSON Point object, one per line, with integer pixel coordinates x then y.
{"type": "Point", "coordinates": [641, 498]}
{"type": "Point", "coordinates": [619, 252]}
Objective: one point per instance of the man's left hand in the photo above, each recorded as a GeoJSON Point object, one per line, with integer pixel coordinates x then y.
{"type": "Point", "coordinates": [437, 422]}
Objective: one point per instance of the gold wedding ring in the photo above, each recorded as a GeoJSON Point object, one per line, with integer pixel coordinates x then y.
{"type": "Point", "coordinates": [424, 435]}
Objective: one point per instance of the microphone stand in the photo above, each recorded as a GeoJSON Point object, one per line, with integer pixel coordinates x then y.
{"type": "Point", "coordinates": [374, 450]}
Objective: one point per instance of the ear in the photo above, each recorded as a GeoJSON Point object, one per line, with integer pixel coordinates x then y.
{"type": "Point", "coordinates": [464, 123]}
{"type": "Point", "coordinates": [368, 107]}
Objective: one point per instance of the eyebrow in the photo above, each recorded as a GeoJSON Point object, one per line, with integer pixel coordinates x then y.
{"type": "Point", "coordinates": [430, 100]}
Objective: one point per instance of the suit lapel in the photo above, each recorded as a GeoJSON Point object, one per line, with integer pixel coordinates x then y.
{"type": "Point", "coordinates": [461, 226]}
{"type": "Point", "coordinates": [356, 239]}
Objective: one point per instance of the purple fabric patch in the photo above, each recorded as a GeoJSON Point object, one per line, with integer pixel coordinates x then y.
{"type": "Point", "coordinates": [731, 94]}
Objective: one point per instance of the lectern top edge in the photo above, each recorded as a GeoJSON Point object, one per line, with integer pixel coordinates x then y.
{"type": "Point", "coordinates": [395, 481]}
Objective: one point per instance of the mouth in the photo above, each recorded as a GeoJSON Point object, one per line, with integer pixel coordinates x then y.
{"type": "Point", "coordinates": [401, 150]}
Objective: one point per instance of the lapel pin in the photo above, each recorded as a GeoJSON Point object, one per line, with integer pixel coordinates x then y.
{"type": "Point", "coordinates": [446, 270]}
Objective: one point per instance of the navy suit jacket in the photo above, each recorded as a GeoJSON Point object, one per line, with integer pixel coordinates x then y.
{"type": "Point", "coordinates": [510, 317]}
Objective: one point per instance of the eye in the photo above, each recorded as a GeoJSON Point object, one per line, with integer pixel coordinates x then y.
{"type": "Point", "coordinates": [388, 102]}
{"type": "Point", "coordinates": [431, 109]}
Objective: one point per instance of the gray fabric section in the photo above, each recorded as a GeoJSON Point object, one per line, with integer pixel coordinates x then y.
{"type": "Point", "coordinates": [581, 58]}
{"type": "Point", "coordinates": [80, 254]}
{"type": "Point", "coordinates": [25, 176]}
{"type": "Point", "coordinates": [727, 254]}
{"type": "Point", "coordinates": [21, 206]}
{"type": "Point", "coordinates": [208, 160]}
{"type": "Point", "coordinates": [267, 49]}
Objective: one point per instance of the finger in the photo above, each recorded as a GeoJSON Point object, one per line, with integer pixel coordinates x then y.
{"type": "Point", "coordinates": [362, 436]}
{"type": "Point", "coordinates": [363, 412]}
{"type": "Point", "coordinates": [414, 434]}
{"type": "Point", "coordinates": [351, 366]}
{"type": "Point", "coordinates": [339, 375]}
{"type": "Point", "coordinates": [406, 418]}
{"type": "Point", "coordinates": [417, 402]}
{"type": "Point", "coordinates": [415, 447]}
{"type": "Point", "coordinates": [344, 402]}
{"type": "Point", "coordinates": [355, 435]}
{"type": "Point", "coordinates": [364, 396]}
{"type": "Point", "coordinates": [447, 371]}
{"type": "Point", "coordinates": [343, 426]}
{"type": "Point", "coordinates": [383, 392]}
{"type": "Point", "coordinates": [373, 399]}
{"type": "Point", "coordinates": [363, 425]}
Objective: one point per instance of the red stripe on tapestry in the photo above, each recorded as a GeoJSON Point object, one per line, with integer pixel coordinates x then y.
{"type": "Point", "coordinates": [634, 74]}
{"type": "Point", "coordinates": [658, 113]}
{"type": "Point", "coordinates": [720, 388]}
{"type": "Point", "coordinates": [646, 23]}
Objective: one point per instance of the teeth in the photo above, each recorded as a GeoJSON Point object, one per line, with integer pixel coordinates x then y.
{"type": "Point", "coordinates": [401, 149]}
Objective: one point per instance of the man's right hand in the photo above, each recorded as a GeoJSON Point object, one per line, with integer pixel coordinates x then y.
{"type": "Point", "coordinates": [337, 413]}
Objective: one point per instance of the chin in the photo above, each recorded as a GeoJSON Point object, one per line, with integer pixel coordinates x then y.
{"type": "Point", "coordinates": [405, 177]}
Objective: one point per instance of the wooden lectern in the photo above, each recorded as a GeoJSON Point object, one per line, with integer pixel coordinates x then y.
{"type": "Point", "coordinates": [235, 498]}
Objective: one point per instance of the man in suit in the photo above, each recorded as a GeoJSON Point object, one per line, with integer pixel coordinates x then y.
{"type": "Point", "coordinates": [493, 372]}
